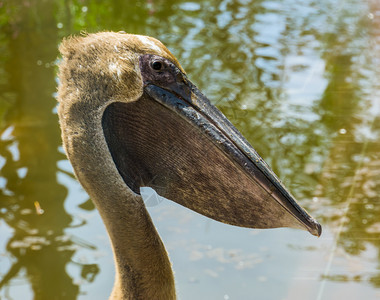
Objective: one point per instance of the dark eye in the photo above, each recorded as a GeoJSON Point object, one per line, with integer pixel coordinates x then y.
{"type": "Point", "coordinates": [156, 65]}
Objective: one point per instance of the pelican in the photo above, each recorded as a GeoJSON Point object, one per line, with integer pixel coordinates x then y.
{"type": "Point", "coordinates": [131, 118]}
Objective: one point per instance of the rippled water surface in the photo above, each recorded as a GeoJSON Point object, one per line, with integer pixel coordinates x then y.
{"type": "Point", "coordinates": [300, 79]}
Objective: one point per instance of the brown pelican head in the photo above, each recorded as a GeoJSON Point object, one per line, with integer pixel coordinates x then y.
{"type": "Point", "coordinates": [162, 132]}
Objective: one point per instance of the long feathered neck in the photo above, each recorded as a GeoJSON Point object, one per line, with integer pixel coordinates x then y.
{"type": "Point", "coordinates": [143, 269]}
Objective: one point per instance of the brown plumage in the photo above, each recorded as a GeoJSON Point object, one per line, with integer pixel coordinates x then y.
{"type": "Point", "coordinates": [130, 118]}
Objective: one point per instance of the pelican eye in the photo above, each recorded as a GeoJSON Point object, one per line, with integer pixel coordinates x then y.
{"type": "Point", "coordinates": [157, 65]}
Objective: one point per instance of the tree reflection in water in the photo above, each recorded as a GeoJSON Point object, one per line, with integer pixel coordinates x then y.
{"type": "Point", "coordinates": [32, 200]}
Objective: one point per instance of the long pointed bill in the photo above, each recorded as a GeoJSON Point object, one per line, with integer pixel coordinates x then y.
{"type": "Point", "coordinates": [189, 152]}
{"type": "Point", "coordinates": [198, 110]}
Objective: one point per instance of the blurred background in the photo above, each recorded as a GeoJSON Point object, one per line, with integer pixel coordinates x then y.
{"type": "Point", "coordinates": [299, 79]}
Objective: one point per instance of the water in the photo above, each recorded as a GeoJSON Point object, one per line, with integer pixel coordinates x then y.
{"type": "Point", "coordinates": [298, 78]}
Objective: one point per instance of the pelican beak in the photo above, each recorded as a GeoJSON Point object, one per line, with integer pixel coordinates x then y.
{"type": "Point", "coordinates": [192, 154]}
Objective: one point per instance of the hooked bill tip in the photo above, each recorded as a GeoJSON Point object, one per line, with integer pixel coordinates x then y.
{"type": "Point", "coordinates": [317, 230]}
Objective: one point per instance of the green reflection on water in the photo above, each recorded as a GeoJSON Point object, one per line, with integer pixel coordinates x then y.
{"type": "Point", "coordinates": [298, 79]}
